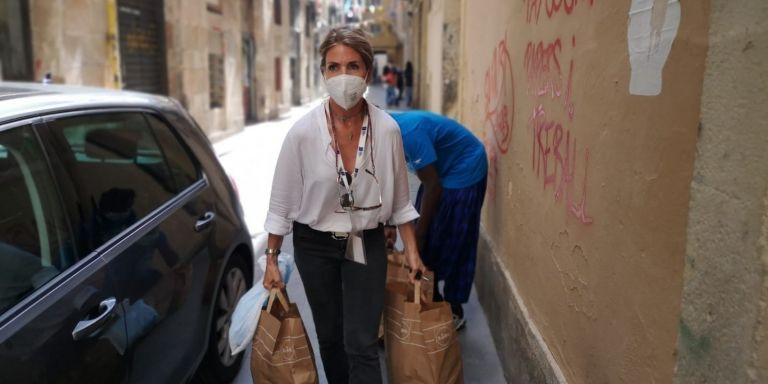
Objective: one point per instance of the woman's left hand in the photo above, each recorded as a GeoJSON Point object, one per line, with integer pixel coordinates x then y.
{"type": "Point", "coordinates": [414, 261]}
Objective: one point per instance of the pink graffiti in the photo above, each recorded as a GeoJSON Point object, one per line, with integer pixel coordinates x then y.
{"type": "Point", "coordinates": [544, 74]}
{"type": "Point", "coordinates": [551, 7]}
{"type": "Point", "coordinates": [500, 96]}
{"type": "Point", "coordinates": [493, 168]}
{"type": "Point", "coordinates": [554, 159]}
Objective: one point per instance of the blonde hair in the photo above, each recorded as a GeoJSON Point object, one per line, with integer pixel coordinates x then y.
{"type": "Point", "coordinates": [354, 38]}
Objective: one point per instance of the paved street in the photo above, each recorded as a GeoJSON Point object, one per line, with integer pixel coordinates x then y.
{"type": "Point", "coordinates": [249, 157]}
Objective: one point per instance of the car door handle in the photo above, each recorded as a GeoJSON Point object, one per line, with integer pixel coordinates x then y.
{"type": "Point", "coordinates": [204, 221]}
{"type": "Point", "coordinates": [87, 327]}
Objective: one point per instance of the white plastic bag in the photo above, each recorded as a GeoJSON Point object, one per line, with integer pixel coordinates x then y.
{"type": "Point", "coordinates": [248, 309]}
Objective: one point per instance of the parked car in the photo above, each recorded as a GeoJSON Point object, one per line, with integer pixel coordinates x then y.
{"type": "Point", "coordinates": [123, 249]}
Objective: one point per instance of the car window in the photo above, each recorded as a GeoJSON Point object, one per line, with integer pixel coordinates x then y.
{"type": "Point", "coordinates": [35, 242]}
{"type": "Point", "coordinates": [116, 170]}
{"type": "Point", "coordinates": [183, 169]}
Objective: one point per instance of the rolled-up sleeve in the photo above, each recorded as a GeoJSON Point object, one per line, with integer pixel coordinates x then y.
{"type": "Point", "coordinates": [402, 209]}
{"type": "Point", "coordinates": [287, 185]}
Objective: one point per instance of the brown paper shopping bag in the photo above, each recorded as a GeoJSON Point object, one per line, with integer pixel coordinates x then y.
{"type": "Point", "coordinates": [421, 342]}
{"type": "Point", "coordinates": [397, 272]}
{"type": "Point", "coordinates": [281, 352]}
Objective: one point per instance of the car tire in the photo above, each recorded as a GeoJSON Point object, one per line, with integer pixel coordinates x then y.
{"type": "Point", "coordinates": [218, 365]}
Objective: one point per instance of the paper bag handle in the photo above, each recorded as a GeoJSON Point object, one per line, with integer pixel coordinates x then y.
{"type": "Point", "coordinates": [276, 292]}
{"type": "Point", "coordinates": [417, 292]}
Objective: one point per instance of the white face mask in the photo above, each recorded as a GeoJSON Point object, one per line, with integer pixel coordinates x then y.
{"type": "Point", "coordinates": [346, 90]}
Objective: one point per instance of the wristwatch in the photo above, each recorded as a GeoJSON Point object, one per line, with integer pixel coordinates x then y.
{"type": "Point", "coordinates": [272, 251]}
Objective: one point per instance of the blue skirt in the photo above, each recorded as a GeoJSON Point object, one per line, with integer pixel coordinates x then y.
{"type": "Point", "coordinates": [450, 248]}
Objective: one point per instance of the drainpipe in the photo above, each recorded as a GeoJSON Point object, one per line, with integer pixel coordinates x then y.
{"type": "Point", "coordinates": [113, 46]}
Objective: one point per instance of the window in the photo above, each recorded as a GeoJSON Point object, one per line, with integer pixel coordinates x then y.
{"type": "Point", "coordinates": [293, 8]}
{"type": "Point", "coordinates": [278, 74]}
{"type": "Point", "coordinates": [216, 79]}
{"type": "Point", "coordinates": [116, 171]}
{"type": "Point", "coordinates": [35, 241]}
{"type": "Point", "coordinates": [278, 11]}
{"type": "Point", "coordinates": [216, 68]}
{"type": "Point", "coordinates": [214, 6]}
{"type": "Point", "coordinates": [183, 170]}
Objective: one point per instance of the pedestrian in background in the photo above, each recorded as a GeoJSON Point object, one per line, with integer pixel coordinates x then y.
{"type": "Point", "coordinates": [384, 72]}
{"type": "Point", "coordinates": [375, 74]}
{"type": "Point", "coordinates": [452, 166]}
{"type": "Point", "coordinates": [340, 175]}
{"type": "Point", "coordinates": [408, 79]}
{"type": "Point", "coordinates": [391, 82]}
{"type": "Point", "coordinates": [399, 87]}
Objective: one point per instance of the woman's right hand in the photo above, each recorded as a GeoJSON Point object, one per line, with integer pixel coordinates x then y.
{"type": "Point", "coordinates": [272, 277]}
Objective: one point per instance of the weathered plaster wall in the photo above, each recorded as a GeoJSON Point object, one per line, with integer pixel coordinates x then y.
{"type": "Point", "coordinates": [272, 41]}
{"type": "Point", "coordinates": [74, 52]}
{"type": "Point", "coordinates": [588, 184]}
{"type": "Point", "coordinates": [724, 320]}
{"type": "Point", "coordinates": [186, 41]}
{"type": "Point", "coordinates": [451, 35]}
{"type": "Point", "coordinates": [434, 56]}
{"type": "Point", "coordinates": [192, 32]}
{"type": "Point", "coordinates": [442, 54]}
{"type": "Point", "coordinates": [230, 117]}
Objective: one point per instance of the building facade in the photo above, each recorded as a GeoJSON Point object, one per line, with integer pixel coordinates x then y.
{"type": "Point", "coordinates": [625, 229]}
{"type": "Point", "coordinates": [229, 62]}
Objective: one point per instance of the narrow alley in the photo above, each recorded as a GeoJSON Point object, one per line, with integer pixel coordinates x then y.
{"type": "Point", "coordinates": [249, 157]}
{"type": "Point", "coordinates": [617, 169]}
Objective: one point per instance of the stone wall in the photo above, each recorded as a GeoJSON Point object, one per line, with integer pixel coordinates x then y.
{"type": "Point", "coordinates": [85, 53]}
{"type": "Point", "coordinates": [73, 52]}
{"type": "Point", "coordinates": [723, 336]}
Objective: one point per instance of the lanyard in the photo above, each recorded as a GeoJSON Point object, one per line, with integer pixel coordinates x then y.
{"type": "Point", "coordinates": [343, 174]}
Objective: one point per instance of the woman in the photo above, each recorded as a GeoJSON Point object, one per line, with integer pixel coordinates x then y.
{"type": "Point", "coordinates": [341, 174]}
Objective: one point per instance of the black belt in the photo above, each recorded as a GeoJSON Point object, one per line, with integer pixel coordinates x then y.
{"type": "Point", "coordinates": [338, 235]}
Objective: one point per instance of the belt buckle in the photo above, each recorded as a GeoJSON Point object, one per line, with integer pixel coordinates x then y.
{"type": "Point", "coordinates": [340, 235]}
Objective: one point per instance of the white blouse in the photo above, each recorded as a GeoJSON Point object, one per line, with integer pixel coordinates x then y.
{"type": "Point", "coordinates": [306, 188]}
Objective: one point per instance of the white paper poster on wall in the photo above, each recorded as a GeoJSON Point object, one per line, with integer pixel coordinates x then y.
{"type": "Point", "coordinates": [652, 28]}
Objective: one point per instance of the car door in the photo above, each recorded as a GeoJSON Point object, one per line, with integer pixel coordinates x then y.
{"type": "Point", "coordinates": [135, 181]}
{"type": "Point", "coordinates": [182, 335]}
{"type": "Point", "coordinates": [60, 321]}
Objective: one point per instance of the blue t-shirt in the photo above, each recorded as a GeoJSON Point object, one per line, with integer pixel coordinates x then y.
{"type": "Point", "coordinates": [429, 138]}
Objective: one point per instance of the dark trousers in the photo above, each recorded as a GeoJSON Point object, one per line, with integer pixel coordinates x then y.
{"type": "Point", "coordinates": [346, 299]}
{"type": "Point", "coordinates": [450, 248]}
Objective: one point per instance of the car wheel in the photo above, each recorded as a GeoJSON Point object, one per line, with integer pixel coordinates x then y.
{"type": "Point", "coordinates": [219, 365]}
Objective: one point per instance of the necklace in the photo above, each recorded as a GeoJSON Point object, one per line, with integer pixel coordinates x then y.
{"type": "Point", "coordinates": [343, 119]}
{"type": "Point", "coordinates": [349, 136]}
